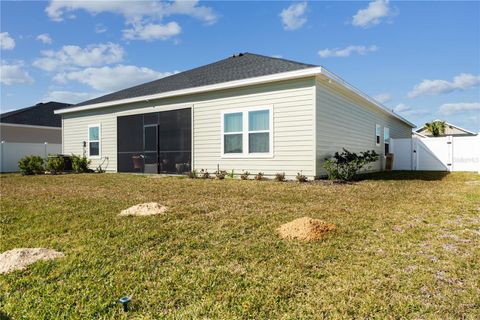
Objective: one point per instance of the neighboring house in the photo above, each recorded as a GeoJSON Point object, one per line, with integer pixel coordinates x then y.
{"type": "Point", "coordinates": [247, 112]}
{"type": "Point", "coordinates": [34, 130]}
{"type": "Point", "coordinates": [36, 124]}
{"type": "Point", "coordinates": [450, 130]}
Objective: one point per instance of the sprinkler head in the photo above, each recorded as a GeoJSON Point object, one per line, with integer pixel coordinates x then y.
{"type": "Point", "coordinates": [124, 301]}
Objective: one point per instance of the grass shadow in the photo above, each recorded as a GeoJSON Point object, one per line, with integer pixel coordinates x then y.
{"type": "Point", "coordinates": [404, 175]}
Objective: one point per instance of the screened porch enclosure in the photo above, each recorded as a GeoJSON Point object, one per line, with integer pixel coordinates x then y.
{"type": "Point", "coordinates": [159, 142]}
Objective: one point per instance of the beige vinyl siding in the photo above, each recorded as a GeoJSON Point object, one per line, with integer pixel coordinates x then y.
{"type": "Point", "coordinates": [344, 121]}
{"type": "Point", "coordinates": [293, 127]}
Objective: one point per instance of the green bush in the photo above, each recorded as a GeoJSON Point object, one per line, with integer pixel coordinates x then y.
{"type": "Point", "coordinates": [344, 166]}
{"type": "Point", "coordinates": [259, 176]}
{"type": "Point", "coordinates": [31, 165]}
{"type": "Point", "coordinates": [55, 164]}
{"type": "Point", "coordinates": [80, 164]}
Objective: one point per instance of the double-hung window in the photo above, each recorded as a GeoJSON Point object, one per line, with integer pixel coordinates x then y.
{"type": "Point", "coordinates": [378, 132]}
{"type": "Point", "coordinates": [386, 139]}
{"type": "Point", "coordinates": [94, 140]}
{"type": "Point", "coordinates": [247, 133]}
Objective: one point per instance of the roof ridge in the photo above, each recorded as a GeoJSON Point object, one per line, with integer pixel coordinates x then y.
{"type": "Point", "coordinates": [21, 110]}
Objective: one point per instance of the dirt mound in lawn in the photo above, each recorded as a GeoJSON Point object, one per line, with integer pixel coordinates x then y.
{"type": "Point", "coordinates": [306, 229]}
{"type": "Point", "coordinates": [20, 258]}
{"type": "Point", "coordinates": [144, 209]}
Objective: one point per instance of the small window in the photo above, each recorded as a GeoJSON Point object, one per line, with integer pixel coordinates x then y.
{"type": "Point", "coordinates": [247, 133]}
{"type": "Point", "coordinates": [259, 131]}
{"type": "Point", "coordinates": [233, 132]}
{"type": "Point", "coordinates": [378, 132]}
{"type": "Point", "coordinates": [94, 140]}
{"type": "Point", "coordinates": [386, 139]}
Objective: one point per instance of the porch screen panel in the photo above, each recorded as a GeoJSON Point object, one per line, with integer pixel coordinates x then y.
{"type": "Point", "coordinates": [175, 142]}
{"type": "Point", "coordinates": [130, 143]}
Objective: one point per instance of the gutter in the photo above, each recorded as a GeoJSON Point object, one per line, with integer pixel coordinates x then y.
{"type": "Point", "coordinates": [309, 72]}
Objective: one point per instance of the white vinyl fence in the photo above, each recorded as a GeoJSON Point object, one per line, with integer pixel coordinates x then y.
{"type": "Point", "coordinates": [437, 154]}
{"type": "Point", "coordinates": [12, 152]}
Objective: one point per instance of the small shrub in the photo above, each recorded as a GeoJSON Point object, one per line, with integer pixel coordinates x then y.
{"type": "Point", "coordinates": [220, 175]}
{"type": "Point", "coordinates": [80, 164]}
{"type": "Point", "coordinates": [193, 174]}
{"type": "Point", "coordinates": [204, 174]}
{"type": "Point", "coordinates": [55, 164]}
{"type": "Point", "coordinates": [259, 176]}
{"type": "Point", "coordinates": [29, 165]}
{"type": "Point", "coordinates": [231, 175]}
{"type": "Point", "coordinates": [301, 178]}
{"type": "Point", "coordinates": [344, 166]}
{"type": "Point", "coordinates": [280, 176]}
{"type": "Point", "coordinates": [244, 175]}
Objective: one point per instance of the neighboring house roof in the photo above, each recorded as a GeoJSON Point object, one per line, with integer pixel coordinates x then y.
{"type": "Point", "coordinates": [237, 67]}
{"type": "Point", "coordinates": [245, 69]}
{"type": "Point", "coordinates": [457, 131]}
{"type": "Point", "coordinates": [41, 114]}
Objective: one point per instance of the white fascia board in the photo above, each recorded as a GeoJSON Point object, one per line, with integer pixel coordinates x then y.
{"type": "Point", "coordinates": [220, 86]}
{"type": "Point", "coordinates": [7, 124]}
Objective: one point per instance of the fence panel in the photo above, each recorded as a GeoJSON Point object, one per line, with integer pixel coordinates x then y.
{"type": "Point", "coordinates": [466, 153]}
{"type": "Point", "coordinates": [12, 152]}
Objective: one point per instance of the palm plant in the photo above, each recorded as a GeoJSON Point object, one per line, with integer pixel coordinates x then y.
{"type": "Point", "coordinates": [436, 128]}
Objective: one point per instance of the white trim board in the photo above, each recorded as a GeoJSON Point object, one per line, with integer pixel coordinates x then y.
{"type": "Point", "coordinates": [6, 124]}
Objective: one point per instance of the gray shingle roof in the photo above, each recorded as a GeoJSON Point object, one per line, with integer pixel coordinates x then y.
{"type": "Point", "coordinates": [40, 114]}
{"type": "Point", "coordinates": [238, 67]}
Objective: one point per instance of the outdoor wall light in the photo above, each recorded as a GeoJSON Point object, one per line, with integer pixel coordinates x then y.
{"type": "Point", "coordinates": [124, 301]}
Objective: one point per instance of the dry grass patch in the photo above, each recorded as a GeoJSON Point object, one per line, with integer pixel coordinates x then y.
{"type": "Point", "coordinates": [306, 229]}
{"type": "Point", "coordinates": [20, 258]}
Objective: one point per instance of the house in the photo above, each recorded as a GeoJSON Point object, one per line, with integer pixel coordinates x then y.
{"type": "Point", "coordinates": [450, 130]}
{"type": "Point", "coordinates": [35, 124]}
{"type": "Point", "coordinates": [35, 130]}
{"type": "Point", "coordinates": [246, 112]}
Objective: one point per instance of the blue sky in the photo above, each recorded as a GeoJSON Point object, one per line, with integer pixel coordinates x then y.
{"type": "Point", "coordinates": [421, 59]}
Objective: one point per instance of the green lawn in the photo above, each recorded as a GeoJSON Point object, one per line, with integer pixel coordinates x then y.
{"type": "Point", "coordinates": [407, 245]}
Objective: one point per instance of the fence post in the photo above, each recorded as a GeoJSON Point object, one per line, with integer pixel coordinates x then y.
{"type": "Point", "coordinates": [450, 153]}
{"type": "Point", "coordinates": [1, 155]}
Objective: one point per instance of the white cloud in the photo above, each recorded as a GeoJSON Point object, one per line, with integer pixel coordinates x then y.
{"type": "Point", "coordinates": [347, 51]}
{"type": "Point", "coordinates": [6, 42]}
{"type": "Point", "coordinates": [143, 18]}
{"type": "Point", "coordinates": [293, 17]}
{"type": "Point", "coordinates": [434, 87]}
{"type": "Point", "coordinates": [45, 38]}
{"type": "Point", "coordinates": [111, 78]}
{"type": "Point", "coordinates": [151, 31]}
{"type": "Point", "coordinates": [383, 97]}
{"type": "Point", "coordinates": [401, 107]}
{"type": "Point", "coordinates": [74, 56]}
{"type": "Point", "coordinates": [70, 96]}
{"type": "Point", "coordinates": [450, 108]}
{"type": "Point", "coordinates": [11, 73]}
{"type": "Point", "coordinates": [373, 14]}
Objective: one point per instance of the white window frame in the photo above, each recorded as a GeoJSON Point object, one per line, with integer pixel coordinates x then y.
{"type": "Point", "coordinates": [378, 141]}
{"type": "Point", "coordinates": [245, 134]}
{"type": "Point", "coordinates": [386, 141]}
{"type": "Point", "coordinates": [96, 125]}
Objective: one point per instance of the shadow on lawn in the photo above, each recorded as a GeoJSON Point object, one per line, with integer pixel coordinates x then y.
{"type": "Point", "coordinates": [404, 175]}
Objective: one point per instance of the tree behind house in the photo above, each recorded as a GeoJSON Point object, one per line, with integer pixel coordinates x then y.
{"type": "Point", "coordinates": [436, 128]}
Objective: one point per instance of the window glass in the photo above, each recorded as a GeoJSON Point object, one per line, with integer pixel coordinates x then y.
{"type": "Point", "coordinates": [386, 139]}
{"type": "Point", "coordinates": [378, 131]}
{"type": "Point", "coordinates": [93, 133]}
{"type": "Point", "coordinates": [258, 120]}
{"type": "Point", "coordinates": [259, 142]}
{"type": "Point", "coordinates": [233, 143]}
{"type": "Point", "coordinates": [94, 148]}
{"type": "Point", "coordinates": [233, 122]}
